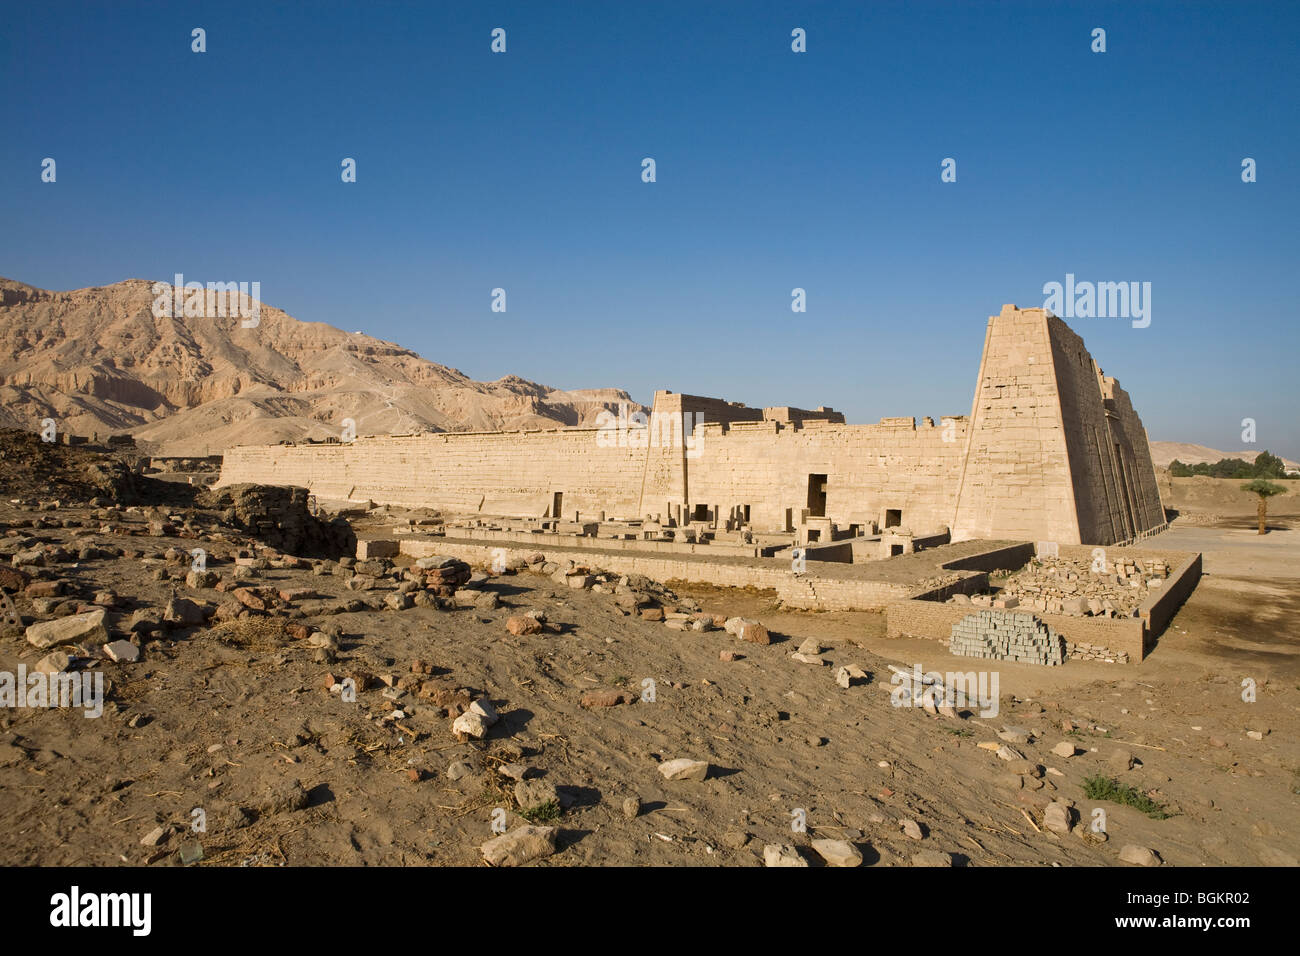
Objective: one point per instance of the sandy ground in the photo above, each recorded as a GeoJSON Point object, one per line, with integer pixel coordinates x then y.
{"type": "Point", "coordinates": [235, 722]}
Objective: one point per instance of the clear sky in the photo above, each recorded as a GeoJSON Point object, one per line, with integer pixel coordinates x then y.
{"type": "Point", "coordinates": [775, 170]}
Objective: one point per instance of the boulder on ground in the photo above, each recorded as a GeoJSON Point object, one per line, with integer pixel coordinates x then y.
{"type": "Point", "coordinates": [684, 768]}
{"type": "Point", "coordinates": [75, 629]}
{"type": "Point", "coordinates": [521, 845]}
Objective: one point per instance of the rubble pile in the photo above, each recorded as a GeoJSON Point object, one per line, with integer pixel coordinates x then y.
{"type": "Point", "coordinates": [1071, 586]}
{"type": "Point", "coordinates": [1081, 651]}
{"type": "Point", "coordinates": [34, 469]}
{"type": "Point", "coordinates": [279, 517]}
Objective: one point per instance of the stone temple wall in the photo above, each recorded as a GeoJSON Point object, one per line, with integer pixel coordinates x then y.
{"type": "Point", "coordinates": [514, 473]}
{"type": "Point", "coordinates": [1057, 452]}
{"type": "Point", "coordinates": [1016, 476]}
{"type": "Point", "coordinates": [1052, 451]}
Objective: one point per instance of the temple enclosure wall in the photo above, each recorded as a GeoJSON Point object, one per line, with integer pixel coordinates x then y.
{"type": "Point", "coordinates": [1052, 451]}
{"type": "Point", "coordinates": [925, 615]}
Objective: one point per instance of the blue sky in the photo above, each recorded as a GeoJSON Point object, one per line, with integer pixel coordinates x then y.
{"type": "Point", "coordinates": [775, 170]}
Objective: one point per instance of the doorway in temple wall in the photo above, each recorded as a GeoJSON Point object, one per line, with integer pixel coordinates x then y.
{"type": "Point", "coordinates": [817, 496]}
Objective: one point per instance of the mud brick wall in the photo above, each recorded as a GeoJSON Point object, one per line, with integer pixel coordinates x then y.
{"type": "Point", "coordinates": [934, 621]}
{"type": "Point", "coordinates": [998, 559]}
{"type": "Point", "coordinates": [1158, 609]}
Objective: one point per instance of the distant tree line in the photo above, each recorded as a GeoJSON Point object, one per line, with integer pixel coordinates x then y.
{"type": "Point", "coordinates": [1265, 466]}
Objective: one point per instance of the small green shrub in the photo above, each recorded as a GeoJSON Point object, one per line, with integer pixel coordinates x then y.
{"type": "Point", "coordinates": [542, 813]}
{"type": "Point", "coordinates": [1098, 787]}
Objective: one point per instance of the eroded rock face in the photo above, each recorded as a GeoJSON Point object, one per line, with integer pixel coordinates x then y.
{"type": "Point", "coordinates": [279, 517]}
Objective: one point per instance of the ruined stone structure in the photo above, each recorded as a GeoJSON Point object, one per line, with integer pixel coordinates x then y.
{"type": "Point", "coordinates": [1052, 450]}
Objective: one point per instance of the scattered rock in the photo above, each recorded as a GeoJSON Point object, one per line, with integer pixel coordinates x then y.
{"type": "Point", "coordinates": [850, 674]}
{"type": "Point", "coordinates": [782, 854]}
{"type": "Point", "coordinates": [183, 613]}
{"type": "Point", "coordinates": [77, 628]}
{"type": "Point", "coordinates": [809, 659]}
{"type": "Point", "coordinates": [1059, 817]}
{"type": "Point", "coordinates": [521, 845]}
{"type": "Point", "coordinates": [1121, 760]}
{"type": "Point", "coordinates": [735, 839]}
{"type": "Point", "coordinates": [156, 836]}
{"type": "Point", "coordinates": [399, 601]}
{"type": "Point", "coordinates": [684, 768]}
{"type": "Point", "coordinates": [1139, 855]}
{"type": "Point", "coordinates": [470, 724]}
{"type": "Point", "coordinates": [54, 663]}
{"type": "Point", "coordinates": [124, 652]}
{"type": "Point", "coordinates": [523, 624]}
{"type": "Point", "coordinates": [201, 579]}
{"type": "Point", "coordinates": [931, 858]}
{"type": "Point", "coordinates": [838, 852]}
{"type": "Point", "coordinates": [534, 794]}
{"type": "Point", "coordinates": [747, 630]}
{"type": "Point", "coordinates": [459, 769]}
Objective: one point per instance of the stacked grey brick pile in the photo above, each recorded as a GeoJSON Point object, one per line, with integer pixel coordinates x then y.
{"type": "Point", "coordinates": [1007, 636]}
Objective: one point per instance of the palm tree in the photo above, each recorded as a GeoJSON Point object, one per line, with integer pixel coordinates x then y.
{"type": "Point", "coordinates": [1265, 489]}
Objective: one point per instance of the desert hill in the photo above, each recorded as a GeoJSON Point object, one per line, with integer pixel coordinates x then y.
{"type": "Point", "coordinates": [98, 360]}
{"type": "Point", "coordinates": [1163, 452]}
